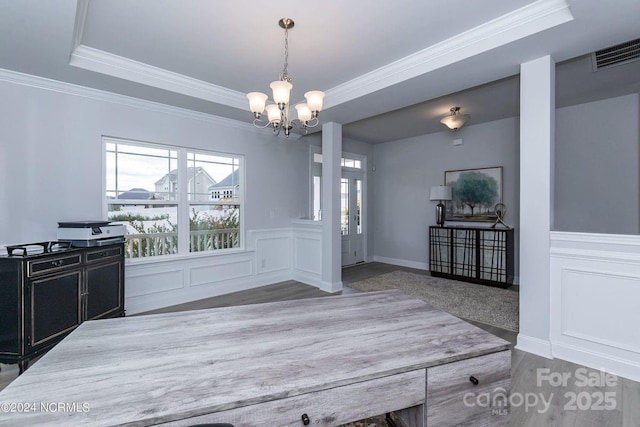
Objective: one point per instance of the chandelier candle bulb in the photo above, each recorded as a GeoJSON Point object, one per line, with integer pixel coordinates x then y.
{"type": "Point", "coordinates": [257, 102]}
{"type": "Point", "coordinates": [273, 114]}
{"type": "Point", "coordinates": [304, 112]}
{"type": "Point", "coordinates": [281, 92]}
{"type": "Point", "coordinates": [314, 100]}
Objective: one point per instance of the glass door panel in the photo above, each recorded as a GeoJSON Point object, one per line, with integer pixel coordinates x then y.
{"type": "Point", "coordinates": [344, 206]}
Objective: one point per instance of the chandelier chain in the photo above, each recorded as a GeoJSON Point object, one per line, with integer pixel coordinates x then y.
{"type": "Point", "coordinates": [285, 74]}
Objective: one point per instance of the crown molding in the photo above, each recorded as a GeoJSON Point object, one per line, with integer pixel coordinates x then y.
{"type": "Point", "coordinates": [107, 63]}
{"type": "Point", "coordinates": [118, 66]}
{"type": "Point", "coordinates": [78, 26]}
{"type": "Point", "coordinates": [128, 101]}
{"type": "Point", "coordinates": [528, 20]}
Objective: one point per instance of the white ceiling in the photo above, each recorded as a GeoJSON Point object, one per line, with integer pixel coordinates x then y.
{"type": "Point", "coordinates": [370, 57]}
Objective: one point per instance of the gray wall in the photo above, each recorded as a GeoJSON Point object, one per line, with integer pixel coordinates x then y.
{"type": "Point", "coordinates": [596, 167]}
{"type": "Point", "coordinates": [51, 159]}
{"type": "Point", "coordinates": [597, 184]}
{"type": "Point", "coordinates": [406, 169]}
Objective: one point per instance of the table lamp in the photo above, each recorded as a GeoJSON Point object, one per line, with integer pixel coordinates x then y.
{"type": "Point", "coordinates": [440, 193]}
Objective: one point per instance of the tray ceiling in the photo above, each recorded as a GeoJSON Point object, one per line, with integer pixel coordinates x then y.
{"type": "Point", "coordinates": [371, 58]}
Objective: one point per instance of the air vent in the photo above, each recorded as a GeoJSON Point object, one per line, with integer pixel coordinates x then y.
{"type": "Point", "coordinates": [616, 55]}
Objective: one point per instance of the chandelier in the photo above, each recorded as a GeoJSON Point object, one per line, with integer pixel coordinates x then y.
{"type": "Point", "coordinates": [278, 113]}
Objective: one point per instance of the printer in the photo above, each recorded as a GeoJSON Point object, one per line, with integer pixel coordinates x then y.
{"type": "Point", "coordinates": [91, 233]}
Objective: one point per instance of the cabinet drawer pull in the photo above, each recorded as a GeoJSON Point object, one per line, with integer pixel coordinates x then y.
{"type": "Point", "coordinates": [305, 419]}
{"type": "Point", "coordinates": [57, 263]}
{"type": "Point", "coordinates": [474, 380]}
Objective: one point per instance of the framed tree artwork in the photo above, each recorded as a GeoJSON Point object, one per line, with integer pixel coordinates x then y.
{"type": "Point", "coordinates": [475, 192]}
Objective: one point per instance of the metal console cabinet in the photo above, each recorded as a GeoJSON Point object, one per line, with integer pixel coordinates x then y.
{"type": "Point", "coordinates": [472, 254]}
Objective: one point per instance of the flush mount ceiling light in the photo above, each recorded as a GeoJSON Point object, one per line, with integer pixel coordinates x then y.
{"type": "Point", "coordinates": [455, 120]}
{"type": "Point", "coordinates": [278, 112]}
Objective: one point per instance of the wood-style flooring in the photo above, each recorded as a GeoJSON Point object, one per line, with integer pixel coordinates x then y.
{"type": "Point", "coordinates": [535, 399]}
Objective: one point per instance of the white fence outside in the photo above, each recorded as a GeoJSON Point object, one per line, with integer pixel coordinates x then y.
{"type": "Point", "coordinates": [154, 244]}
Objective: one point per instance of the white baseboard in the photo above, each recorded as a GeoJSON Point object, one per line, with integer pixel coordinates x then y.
{"type": "Point", "coordinates": [332, 288]}
{"type": "Point", "coordinates": [534, 346]}
{"type": "Point", "coordinates": [307, 278]}
{"type": "Point", "coordinates": [315, 280]}
{"type": "Point", "coordinates": [402, 262]}
{"type": "Point", "coordinates": [619, 367]}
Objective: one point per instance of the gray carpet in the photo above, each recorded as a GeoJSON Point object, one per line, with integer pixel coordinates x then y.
{"type": "Point", "coordinates": [484, 304]}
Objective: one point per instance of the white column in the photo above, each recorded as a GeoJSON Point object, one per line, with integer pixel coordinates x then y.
{"type": "Point", "coordinates": [331, 238]}
{"type": "Point", "coordinates": [537, 131]}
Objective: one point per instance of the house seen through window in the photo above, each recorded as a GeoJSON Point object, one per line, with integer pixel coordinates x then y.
{"type": "Point", "coordinates": [173, 200]}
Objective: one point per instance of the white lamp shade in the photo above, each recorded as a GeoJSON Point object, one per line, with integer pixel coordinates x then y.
{"type": "Point", "coordinates": [273, 113]}
{"type": "Point", "coordinates": [314, 100]}
{"type": "Point", "coordinates": [304, 112]}
{"type": "Point", "coordinates": [281, 91]}
{"type": "Point", "coordinates": [441, 192]}
{"type": "Point", "coordinates": [257, 101]}
{"type": "Point", "coordinates": [455, 122]}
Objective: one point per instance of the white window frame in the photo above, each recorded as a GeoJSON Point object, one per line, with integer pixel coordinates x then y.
{"type": "Point", "coordinates": [182, 203]}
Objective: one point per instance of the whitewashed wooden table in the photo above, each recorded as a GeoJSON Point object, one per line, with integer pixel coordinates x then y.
{"type": "Point", "coordinates": [335, 359]}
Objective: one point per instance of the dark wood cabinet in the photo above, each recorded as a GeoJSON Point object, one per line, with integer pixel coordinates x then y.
{"type": "Point", "coordinates": [472, 254]}
{"type": "Point", "coordinates": [103, 268]}
{"type": "Point", "coordinates": [44, 297]}
{"type": "Point", "coordinates": [53, 307]}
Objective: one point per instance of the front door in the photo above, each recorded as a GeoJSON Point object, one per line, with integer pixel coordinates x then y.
{"type": "Point", "coordinates": [351, 203]}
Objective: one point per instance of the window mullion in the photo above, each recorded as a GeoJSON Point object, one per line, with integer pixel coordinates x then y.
{"type": "Point", "coordinates": [183, 203]}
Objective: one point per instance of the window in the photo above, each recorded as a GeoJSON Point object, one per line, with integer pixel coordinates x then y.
{"type": "Point", "coordinates": [344, 206]}
{"type": "Point", "coordinates": [173, 200]}
{"type": "Point", "coordinates": [351, 163]}
{"type": "Point", "coordinates": [345, 162]}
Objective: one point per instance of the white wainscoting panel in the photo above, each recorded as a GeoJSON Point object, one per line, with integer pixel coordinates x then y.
{"type": "Point", "coordinates": [584, 288]}
{"type": "Point", "coordinates": [219, 271]}
{"type": "Point", "coordinates": [595, 301]}
{"type": "Point", "coordinates": [273, 250]}
{"type": "Point", "coordinates": [176, 280]}
{"type": "Point", "coordinates": [146, 281]}
{"type": "Point", "coordinates": [307, 252]}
